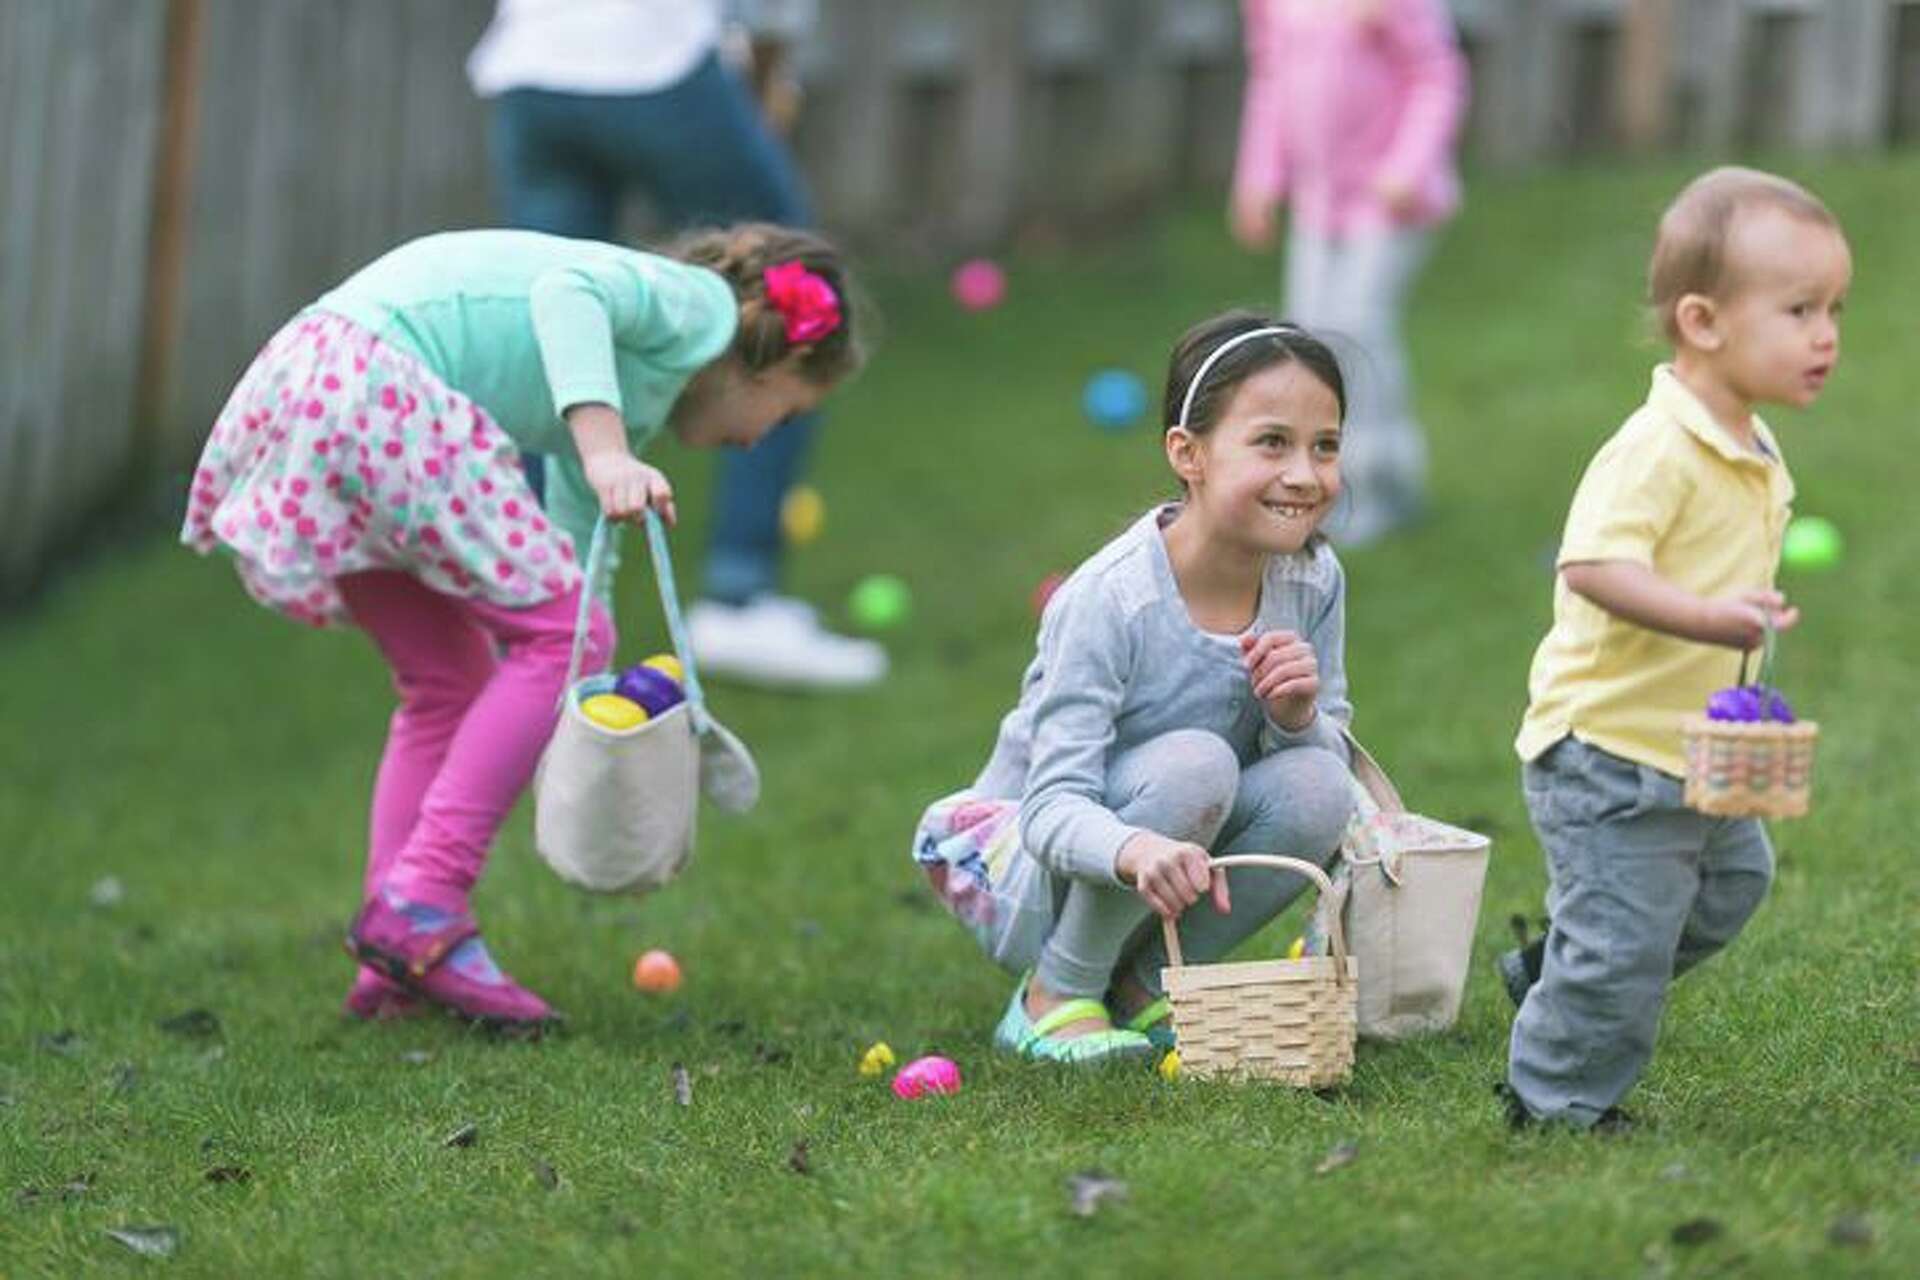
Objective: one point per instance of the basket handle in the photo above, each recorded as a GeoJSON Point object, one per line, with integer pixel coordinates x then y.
{"type": "Point", "coordinates": [605, 534]}
{"type": "Point", "coordinates": [1336, 936]}
{"type": "Point", "coordinates": [1768, 644]}
{"type": "Point", "coordinates": [1372, 777]}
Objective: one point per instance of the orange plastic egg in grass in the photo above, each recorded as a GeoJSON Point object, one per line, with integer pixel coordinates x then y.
{"type": "Point", "coordinates": [656, 973]}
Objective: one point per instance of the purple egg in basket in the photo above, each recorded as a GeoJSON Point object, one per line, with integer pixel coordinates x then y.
{"type": "Point", "coordinates": [651, 688]}
{"type": "Point", "coordinates": [1749, 704]}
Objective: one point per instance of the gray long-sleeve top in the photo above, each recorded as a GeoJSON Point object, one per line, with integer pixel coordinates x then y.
{"type": "Point", "coordinates": [1120, 662]}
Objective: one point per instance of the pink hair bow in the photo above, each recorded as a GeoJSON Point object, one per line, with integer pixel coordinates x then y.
{"type": "Point", "coordinates": [805, 300]}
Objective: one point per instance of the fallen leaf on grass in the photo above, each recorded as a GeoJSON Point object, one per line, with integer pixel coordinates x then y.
{"type": "Point", "coordinates": [229, 1173]}
{"type": "Point", "coordinates": [1851, 1230]}
{"type": "Point", "coordinates": [546, 1175]}
{"type": "Point", "coordinates": [797, 1159]}
{"type": "Point", "coordinates": [1695, 1231]}
{"type": "Point", "coordinates": [1090, 1189]}
{"type": "Point", "coordinates": [65, 1042]}
{"type": "Point", "coordinates": [464, 1136]}
{"type": "Point", "coordinates": [1341, 1156]}
{"type": "Point", "coordinates": [71, 1189]}
{"type": "Point", "coordinates": [125, 1077]}
{"type": "Point", "coordinates": [771, 1055]}
{"type": "Point", "coordinates": [148, 1242]}
{"type": "Point", "coordinates": [198, 1024]}
{"type": "Point", "coordinates": [417, 1057]}
{"type": "Point", "coordinates": [682, 1086]}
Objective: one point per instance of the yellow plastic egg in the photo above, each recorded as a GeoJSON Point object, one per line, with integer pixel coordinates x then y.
{"type": "Point", "coordinates": [1297, 948]}
{"type": "Point", "coordinates": [667, 665]}
{"type": "Point", "coordinates": [876, 1060]}
{"type": "Point", "coordinates": [1170, 1065]}
{"type": "Point", "coordinates": [611, 711]}
{"type": "Point", "coordinates": [802, 515]}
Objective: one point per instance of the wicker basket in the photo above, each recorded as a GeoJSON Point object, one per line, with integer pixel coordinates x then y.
{"type": "Point", "coordinates": [1745, 770]}
{"type": "Point", "coordinates": [1750, 769]}
{"type": "Point", "coordinates": [1287, 1020]}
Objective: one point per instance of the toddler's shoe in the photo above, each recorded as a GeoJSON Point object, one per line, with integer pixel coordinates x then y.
{"type": "Point", "coordinates": [378, 998]}
{"type": "Point", "coordinates": [1520, 968]}
{"type": "Point", "coordinates": [1034, 1039]}
{"type": "Point", "coordinates": [438, 954]}
{"type": "Point", "coordinates": [1613, 1122]}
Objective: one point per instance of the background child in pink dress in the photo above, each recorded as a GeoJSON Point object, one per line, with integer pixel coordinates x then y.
{"type": "Point", "coordinates": [1352, 108]}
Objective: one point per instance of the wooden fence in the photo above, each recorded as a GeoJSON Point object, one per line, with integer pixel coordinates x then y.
{"type": "Point", "coordinates": [180, 175]}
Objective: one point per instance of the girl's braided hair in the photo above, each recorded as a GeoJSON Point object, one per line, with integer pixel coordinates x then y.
{"type": "Point", "coordinates": [742, 253]}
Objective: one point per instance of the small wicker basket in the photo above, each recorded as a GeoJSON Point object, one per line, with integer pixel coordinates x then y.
{"type": "Point", "coordinates": [1292, 1021]}
{"type": "Point", "coordinates": [1762, 770]}
{"type": "Point", "coordinates": [1750, 769]}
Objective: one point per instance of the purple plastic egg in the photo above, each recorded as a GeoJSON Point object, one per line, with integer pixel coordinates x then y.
{"type": "Point", "coordinates": [1749, 704]}
{"type": "Point", "coordinates": [650, 687]}
{"type": "Point", "coordinates": [1740, 705]}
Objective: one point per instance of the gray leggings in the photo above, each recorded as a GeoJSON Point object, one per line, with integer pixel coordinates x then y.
{"type": "Point", "coordinates": [1188, 785]}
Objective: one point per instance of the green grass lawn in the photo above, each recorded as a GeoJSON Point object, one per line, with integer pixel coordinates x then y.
{"type": "Point", "coordinates": [161, 729]}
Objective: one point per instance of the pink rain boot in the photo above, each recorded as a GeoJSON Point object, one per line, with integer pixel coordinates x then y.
{"type": "Point", "coordinates": [438, 954]}
{"type": "Point", "coordinates": [378, 998]}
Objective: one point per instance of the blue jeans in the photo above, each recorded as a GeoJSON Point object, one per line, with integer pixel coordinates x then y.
{"type": "Point", "coordinates": [700, 152]}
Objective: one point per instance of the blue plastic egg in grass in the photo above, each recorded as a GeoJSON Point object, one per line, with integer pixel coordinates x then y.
{"type": "Point", "coordinates": [1114, 399]}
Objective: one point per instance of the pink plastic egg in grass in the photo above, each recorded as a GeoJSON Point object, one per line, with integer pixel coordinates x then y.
{"type": "Point", "coordinates": [979, 284]}
{"type": "Point", "coordinates": [922, 1076]}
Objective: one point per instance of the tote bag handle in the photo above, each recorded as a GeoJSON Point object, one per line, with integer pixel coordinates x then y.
{"type": "Point", "coordinates": [605, 534]}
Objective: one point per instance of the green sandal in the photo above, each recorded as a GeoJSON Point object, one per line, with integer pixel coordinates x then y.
{"type": "Point", "coordinates": [1155, 1022]}
{"type": "Point", "coordinates": [1034, 1040]}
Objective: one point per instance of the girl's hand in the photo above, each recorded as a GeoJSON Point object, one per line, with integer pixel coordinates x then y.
{"type": "Point", "coordinates": [1740, 621]}
{"type": "Point", "coordinates": [1399, 197]}
{"type": "Point", "coordinates": [1171, 874]}
{"type": "Point", "coordinates": [627, 486]}
{"type": "Point", "coordinates": [1250, 219]}
{"type": "Point", "coordinates": [1285, 675]}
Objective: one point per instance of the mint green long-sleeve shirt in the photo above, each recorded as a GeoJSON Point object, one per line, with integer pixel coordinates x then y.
{"type": "Point", "coordinates": [528, 325]}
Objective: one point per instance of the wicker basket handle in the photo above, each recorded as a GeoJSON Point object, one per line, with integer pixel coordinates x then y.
{"type": "Point", "coordinates": [1336, 936]}
{"type": "Point", "coordinates": [1769, 641]}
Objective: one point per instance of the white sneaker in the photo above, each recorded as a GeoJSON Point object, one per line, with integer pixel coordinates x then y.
{"type": "Point", "coordinates": [778, 641]}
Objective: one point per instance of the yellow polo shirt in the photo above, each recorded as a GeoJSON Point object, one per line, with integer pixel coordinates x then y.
{"type": "Point", "coordinates": [1673, 491]}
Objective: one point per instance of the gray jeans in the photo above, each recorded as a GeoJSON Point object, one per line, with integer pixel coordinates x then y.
{"type": "Point", "coordinates": [1185, 785]}
{"type": "Point", "coordinates": [1640, 889]}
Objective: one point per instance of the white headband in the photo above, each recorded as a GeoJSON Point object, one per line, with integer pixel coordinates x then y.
{"type": "Point", "coordinates": [1206, 366]}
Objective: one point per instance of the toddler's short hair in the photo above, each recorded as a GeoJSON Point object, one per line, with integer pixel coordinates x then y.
{"type": "Point", "coordinates": [1690, 253]}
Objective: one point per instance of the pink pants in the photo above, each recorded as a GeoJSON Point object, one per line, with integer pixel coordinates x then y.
{"type": "Point", "coordinates": [470, 726]}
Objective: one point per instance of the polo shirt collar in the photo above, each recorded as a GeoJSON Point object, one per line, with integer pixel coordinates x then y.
{"type": "Point", "coordinates": [1672, 397]}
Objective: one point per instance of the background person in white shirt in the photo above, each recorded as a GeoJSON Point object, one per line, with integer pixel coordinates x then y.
{"type": "Point", "coordinates": [596, 99]}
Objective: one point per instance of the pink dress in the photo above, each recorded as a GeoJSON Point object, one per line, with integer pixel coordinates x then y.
{"type": "Point", "coordinates": [339, 453]}
{"type": "Point", "coordinates": [1343, 94]}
